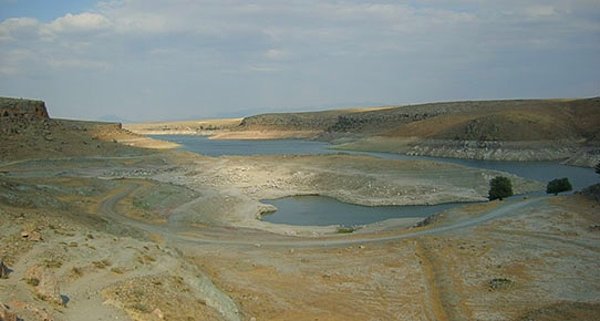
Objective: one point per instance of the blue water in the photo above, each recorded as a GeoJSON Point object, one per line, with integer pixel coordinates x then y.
{"type": "Point", "coordinates": [579, 177]}
{"type": "Point", "coordinates": [323, 211]}
{"type": "Point", "coordinates": [211, 147]}
{"type": "Point", "coordinates": [318, 210]}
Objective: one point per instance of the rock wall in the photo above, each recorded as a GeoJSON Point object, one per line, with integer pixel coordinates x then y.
{"type": "Point", "coordinates": [18, 115]}
{"type": "Point", "coordinates": [22, 109]}
{"type": "Point", "coordinates": [495, 150]}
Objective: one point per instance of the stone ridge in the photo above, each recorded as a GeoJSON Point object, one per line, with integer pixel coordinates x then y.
{"type": "Point", "coordinates": [22, 109]}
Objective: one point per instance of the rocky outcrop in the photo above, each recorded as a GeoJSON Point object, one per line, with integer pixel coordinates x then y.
{"type": "Point", "coordinates": [494, 150]}
{"type": "Point", "coordinates": [4, 270]}
{"type": "Point", "coordinates": [22, 109]}
{"type": "Point", "coordinates": [17, 115]}
{"type": "Point", "coordinates": [291, 121]}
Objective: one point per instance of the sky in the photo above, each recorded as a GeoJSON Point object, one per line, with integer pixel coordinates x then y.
{"type": "Point", "coordinates": [142, 60]}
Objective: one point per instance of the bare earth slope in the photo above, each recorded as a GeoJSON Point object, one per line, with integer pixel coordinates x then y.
{"type": "Point", "coordinates": [118, 232]}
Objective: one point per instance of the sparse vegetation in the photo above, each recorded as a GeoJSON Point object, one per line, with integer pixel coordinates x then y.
{"type": "Point", "coordinates": [558, 185]}
{"type": "Point", "coordinates": [33, 281]}
{"type": "Point", "coordinates": [117, 270]}
{"type": "Point", "coordinates": [53, 263]}
{"type": "Point", "coordinates": [141, 307]}
{"type": "Point", "coordinates": [77, 271]}
{"type": "Point", "coordinates": [500, 284]}
{"type": "Point", "coordinates": [102, 264]}
{"type": "Point", "coordinates": [346, 229]}
{"type": "Point", "coordinates": [141, 204]}
{"type": "Point", "coordinates": [500, 188]}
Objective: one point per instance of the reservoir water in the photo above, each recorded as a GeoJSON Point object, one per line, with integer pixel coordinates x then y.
{"type": "Point", "coordinates": [212, 147]}
{"type": "Point", "coordinates": [317, 210]}
{"type": "Point", "coordinates": [323, 211]}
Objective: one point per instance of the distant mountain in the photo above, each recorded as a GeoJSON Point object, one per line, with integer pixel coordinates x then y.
{"type": "Point", "coordinates": [113, 119]}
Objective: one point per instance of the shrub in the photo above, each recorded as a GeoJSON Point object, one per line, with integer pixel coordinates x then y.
{"type": "Point", "coordinates": [500, 187]}
{"type": "Point", "coordinates": [346, 229]}
{"type": "Point", "coordinates": [558, 185]}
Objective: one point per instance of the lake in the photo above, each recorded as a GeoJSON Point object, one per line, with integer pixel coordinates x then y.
{"type": "Point", "coordinates": [211, 147]}
{"type": "Point", "coordinates": [323, 211]}
{"type": "Point", "coordinates": [317, 210]}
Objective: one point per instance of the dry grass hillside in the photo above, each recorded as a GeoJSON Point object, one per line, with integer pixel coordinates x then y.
{"type": "Point", "coordinates": [522, 121]}
{"type": "Point", "coordinates": [502, 120]}
{"type": "Point", "coordinates": [499, 120]}
{"type": "Point", "coordinates": [510, 130]}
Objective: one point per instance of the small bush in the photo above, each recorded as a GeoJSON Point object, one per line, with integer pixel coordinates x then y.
{"type": "Point", "coordinates": [77, 271]}
{"type": "Point", "coordinates": [558, 185]}
{"type": "Point", "coordinates": [346, 229]}
{"type": "Point", "coordinates": [52, 263]}
{"type": "Point", "coordinates": [117, 270]}
{"type": "Point", "coordinates": [500, 284]}
{"type": "Point", "coordinates": [33, 281]}
{"type": "Point", "coordinates": [500, 187]}
{"type": "Point", "coordinates": [102, 264]}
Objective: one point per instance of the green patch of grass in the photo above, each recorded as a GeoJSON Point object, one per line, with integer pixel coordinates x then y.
{"type": "Point", "coordinates": [346, 229]}
{"type": "Point", "coordinates": [500, 284]}
{"type": "Point", "coordinates": [141, 204]}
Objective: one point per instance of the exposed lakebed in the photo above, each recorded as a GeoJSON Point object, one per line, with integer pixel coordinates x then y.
{"type": "Point", "coordinates": [317, 210]}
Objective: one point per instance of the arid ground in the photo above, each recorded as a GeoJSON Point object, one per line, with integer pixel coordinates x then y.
{"type": "Point", "coordinates": [96, 225]}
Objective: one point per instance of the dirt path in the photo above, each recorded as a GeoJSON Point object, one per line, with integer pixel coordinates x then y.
{"type": "Point", "coordinates": [187, 234]}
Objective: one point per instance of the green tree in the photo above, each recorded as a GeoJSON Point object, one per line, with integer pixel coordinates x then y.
{"type": "Point", "coordinates": [500, 187]}
{"type": "Point", "coordinates": [558, 185]}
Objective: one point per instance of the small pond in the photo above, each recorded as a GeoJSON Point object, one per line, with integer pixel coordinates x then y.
{"type": "Point", "coordinates": [323, 211]}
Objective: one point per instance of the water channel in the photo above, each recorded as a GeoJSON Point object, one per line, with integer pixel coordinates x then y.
{"type": "Point", "coordinates": [317, 210]}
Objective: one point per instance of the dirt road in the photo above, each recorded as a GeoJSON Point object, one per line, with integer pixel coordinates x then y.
{"type": "Point", "coordinates": [203, 235]}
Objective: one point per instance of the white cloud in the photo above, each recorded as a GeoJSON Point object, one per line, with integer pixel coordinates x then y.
{"type": "Point", "coordinates": [368, 50]}
{"type": "Point", "coordinates": [11, 61]}
{"type": "Point", "coordinates": [538, 11]}
{"type": "Point", "coordinates": [76, 63]}
{"type": "Point", "coordinates": [84, 22]}
{"type": "Point", "coordinates": [276, 54]}
{"type": "Point", "coordinates": [12, 28]}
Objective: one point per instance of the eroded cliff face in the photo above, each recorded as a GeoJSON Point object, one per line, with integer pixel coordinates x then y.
{"type": "Point", "coordinates": [18, 115]}
{"type": "Point", "coordinates": [19, 109]}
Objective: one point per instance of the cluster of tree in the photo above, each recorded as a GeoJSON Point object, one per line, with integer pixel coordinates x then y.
{"type": "Point", "coordinates": [501, 187]}
{"type": "Point", "coordinates": [558, 185]}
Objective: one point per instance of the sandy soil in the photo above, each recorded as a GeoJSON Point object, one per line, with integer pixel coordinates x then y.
{"type": "Point", "coordinates": [205, 127]}
{"type": "Point", "coordinates": [132, 234]}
